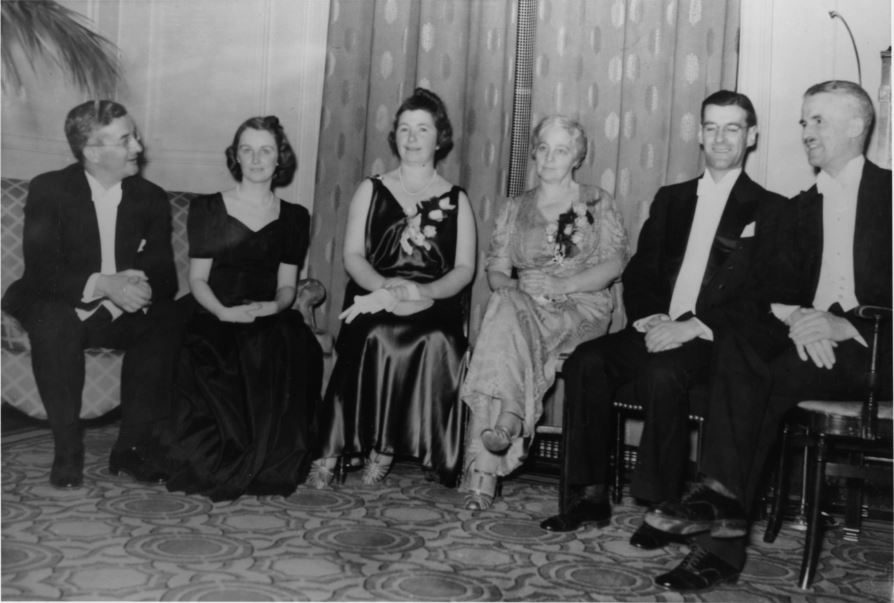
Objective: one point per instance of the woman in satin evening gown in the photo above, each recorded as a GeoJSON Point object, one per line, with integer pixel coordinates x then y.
{"type": "Point", "coordinates": [553, 255]}
{"type": "Point", "coordinates": [250, 371]}
{"type": "Point", "coordinates": [410, 254]}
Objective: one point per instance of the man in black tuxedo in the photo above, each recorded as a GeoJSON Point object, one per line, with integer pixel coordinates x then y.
{"type": "Point", "coordinates": [796, 337]}
{"type": "Point", "coordinates": [694, 253]}
{"type": "Point", "coordinates": [99, 271]}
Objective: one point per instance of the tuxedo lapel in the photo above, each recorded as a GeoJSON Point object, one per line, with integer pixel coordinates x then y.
{"type": "Point", "coordinates": [738, 212]}
{"type": "Point", "coordinates": [810, 224]}
{"type": "Point", "coordinates": [82, 226]}
{"type": "Point", "coordinates": [866, 224]}
{"type": "Point", "coordinates": [679, 226]}
{"type": "Point", "coordinates": [127, 239]}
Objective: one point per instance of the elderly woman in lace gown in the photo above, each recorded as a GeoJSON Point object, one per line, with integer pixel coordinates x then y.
{"type": "Point", "coordinates": [555, 251]}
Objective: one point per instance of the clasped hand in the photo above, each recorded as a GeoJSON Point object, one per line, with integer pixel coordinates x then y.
{"type": "Point", "coordinates": [816, 334]}
{"type": "Point", "coordinates": [397, 295]}
{"type": "Point", "coordinates": [128, 289]}
{"type": "Point", "coordinates": [248, 311]}
{"type": "Point", "coordinates": [664, 334]}
{"type": "Point", "coordinates": [539, 284]}
{"type": "Point", "coordinates": [402, 289]}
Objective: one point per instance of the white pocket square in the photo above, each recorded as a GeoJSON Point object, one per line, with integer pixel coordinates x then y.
{"type": "Point", "coordinates": [141, 246]}
{"type": "Point", "coordinates": [748, 231]}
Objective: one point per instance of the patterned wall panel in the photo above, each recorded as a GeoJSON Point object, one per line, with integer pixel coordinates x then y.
{"type": "Point", "coordinates": [634, 72]}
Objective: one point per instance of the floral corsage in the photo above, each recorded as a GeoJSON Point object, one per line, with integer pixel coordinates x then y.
{"type": "Point", "coordinates": [422, 225]}
{"type": "Point", "coordinates": [566, 233]}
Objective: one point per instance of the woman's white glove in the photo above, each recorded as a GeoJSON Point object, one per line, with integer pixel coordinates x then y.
{"type": "Point", "coordinates": [380, 299]}
{"type": "Point", "coordinates": [402, 300]}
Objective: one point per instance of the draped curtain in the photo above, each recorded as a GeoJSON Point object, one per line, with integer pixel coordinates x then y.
{"type": "Point", "coordinates": [633, 72]}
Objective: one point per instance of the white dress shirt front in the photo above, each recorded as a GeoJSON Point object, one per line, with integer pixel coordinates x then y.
{"type": "Point", "coordinates": [106, 201]}
{"type": "Point", "coordinates": [836, 280]}
{"type": "Point", "coordinates": [712, 198]}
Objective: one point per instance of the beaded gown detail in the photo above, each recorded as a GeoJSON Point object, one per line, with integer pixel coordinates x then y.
{"type": "Point", "coordinates": [395, 385]}
{"type": "Point", "coordinates": [245, 394]}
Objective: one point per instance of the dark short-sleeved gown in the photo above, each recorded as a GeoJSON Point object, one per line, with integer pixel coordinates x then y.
{"type": "Point", "coordinates": [395, 385]}
{"type": "Point", "coordinates": [245, 394]}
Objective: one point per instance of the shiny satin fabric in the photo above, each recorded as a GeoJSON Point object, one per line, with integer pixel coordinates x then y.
{"type": "Point", "coordinates": [395, 386]}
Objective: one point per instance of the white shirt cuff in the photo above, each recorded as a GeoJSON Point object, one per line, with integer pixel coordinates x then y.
{"type": "Point", "coordinates": [640, 325]}
{"type": "Point", "coordinates": [706, 333]}
{"type": "Point", "coordinates": [89, 293]}
{"type": "Point", "coordinates": [783, 311]}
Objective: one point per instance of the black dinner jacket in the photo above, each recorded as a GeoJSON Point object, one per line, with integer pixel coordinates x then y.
{"type": "Point", "coordinates": [61, 238]}
{"type": "Point", "coordinates": [652, 272]}
{"type": "Point", "coordinates": [800, 250]}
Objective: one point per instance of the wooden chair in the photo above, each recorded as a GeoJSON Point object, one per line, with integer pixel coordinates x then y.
{"type": "Point", "coordinates": [858, 432]}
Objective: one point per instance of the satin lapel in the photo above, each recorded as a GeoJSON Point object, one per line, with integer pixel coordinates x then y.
{"type": "Point", "coordinates": [126, 238]}
{"type": "Point", "coordinates": [679, 226]}
{"type": "Point", "coordinates": [83, 222]}
{"type": "Point", "coordinates": [737, 214]}
{"type": "Point", "coordinates": [810, 224]}
{"type": "Point", "coordinates": [869, 217]}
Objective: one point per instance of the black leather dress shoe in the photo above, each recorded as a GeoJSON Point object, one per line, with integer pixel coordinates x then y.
{"type": "Point", "coordinates": [648, 538]}
{"type": "Point", "coordinates": [700, 570]}
{"type": "Point", "coordinates": [68, 469]}
{"type": "Point", "coordinates": [584, 511]}
{"type": "Point", "coordinates": [701, 510]}
{"type": "Point", "coordinates": [130, 462]}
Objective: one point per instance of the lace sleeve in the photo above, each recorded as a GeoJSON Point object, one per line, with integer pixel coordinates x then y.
{"type": "Point", "coordinates": [498, 252]}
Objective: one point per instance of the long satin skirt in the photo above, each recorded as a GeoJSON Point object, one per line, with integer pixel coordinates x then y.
{"type": "Point", "coordinates": [395, 389]}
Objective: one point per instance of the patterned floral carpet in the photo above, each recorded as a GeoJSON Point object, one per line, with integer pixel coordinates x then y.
{"type": "Point", "coordinates": [407, 541]}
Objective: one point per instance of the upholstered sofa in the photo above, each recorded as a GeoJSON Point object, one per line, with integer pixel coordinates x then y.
{"type": "Point", "coordinates": [103, 366]}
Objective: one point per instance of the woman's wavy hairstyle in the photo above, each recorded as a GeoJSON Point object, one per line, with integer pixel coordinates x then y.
{"type": "Point", "coordinates": [574, 129]}
{"type": "Point", "coordinates": [286, 162]}
{"type": "Point", "coordinates": [426, 100]}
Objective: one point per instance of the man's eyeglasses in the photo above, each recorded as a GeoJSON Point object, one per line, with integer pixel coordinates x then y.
{"type": "Point", "coordinates": [124, 141]}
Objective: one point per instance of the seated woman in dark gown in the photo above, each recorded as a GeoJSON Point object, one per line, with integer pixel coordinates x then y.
{"type": "Point", "coordinates": [250, 371]}
{"type": "Point", "coordinates": [410, 253]}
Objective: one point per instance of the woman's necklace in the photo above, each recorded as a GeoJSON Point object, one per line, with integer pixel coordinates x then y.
{"type": "Point", "coordinates": [400, 172]}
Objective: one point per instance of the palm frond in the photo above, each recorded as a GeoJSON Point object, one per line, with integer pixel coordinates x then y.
{"type": "Point", "coordinates": [44, 29]}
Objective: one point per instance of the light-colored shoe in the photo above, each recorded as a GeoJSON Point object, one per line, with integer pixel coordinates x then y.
{"type": "Point", "coordinates": [320, 476]}
{"type": "Point", "coordinates": [375, 469]}
{"type": "Point", "coordinates": [482, 491]}
{"type": "Point", "coordinates": [496, 440]}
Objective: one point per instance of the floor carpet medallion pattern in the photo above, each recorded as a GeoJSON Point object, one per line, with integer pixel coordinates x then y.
{"type": "Point", "coordinates": [114, 539]}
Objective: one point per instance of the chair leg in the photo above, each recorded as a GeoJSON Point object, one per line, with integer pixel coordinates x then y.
{"type": "Point", "coordinates": [341, 469]}
{"type": "Point", "coordinates": [774, 521]}
{"type": "Point", "coordinates": [800, 521]}
{"type": "Point", "coordinates": [618, 461]}
{"type": "Point", "coordinates": [699, 446]}
{"type": "Point", "coordinates": [814, 540]}
{"type": "Point", "coordinates": [853, 515]}
{"type": "Point", "coordinates": [564, 469]}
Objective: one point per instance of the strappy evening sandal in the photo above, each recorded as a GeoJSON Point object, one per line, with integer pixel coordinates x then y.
{"type": "Point", "coordinates": [320, 476]}
{"type": "Point", "coordinates": [375, 469]}
{"type": "Point", "coordinates": [482, 491]}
